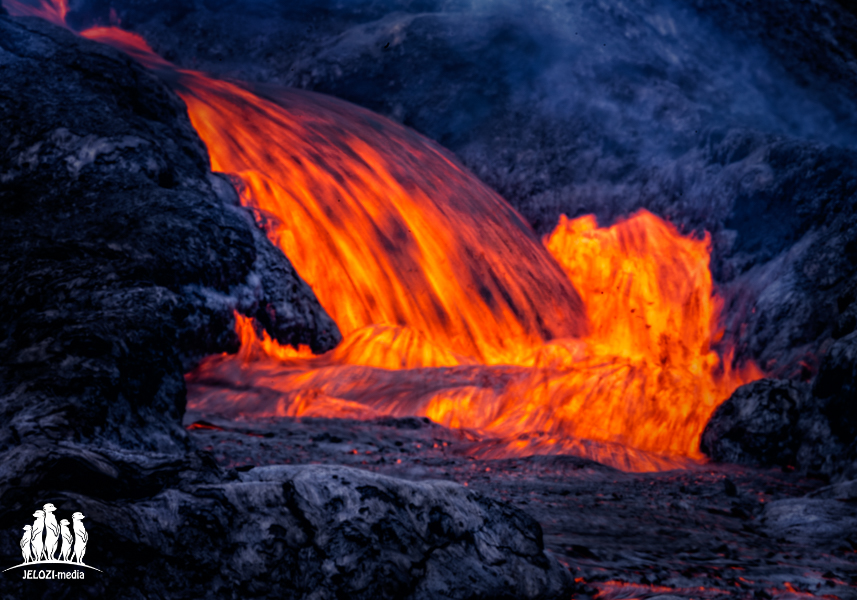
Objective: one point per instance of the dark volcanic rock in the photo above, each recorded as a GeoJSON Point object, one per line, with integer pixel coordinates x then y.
{"type": "Point", "coordinates": [796, 236]}
{"type": "Point", "coordinates": [123, 259]}
{"type": "Point", "coordinates": [826, 517]}
{"type": "Point", "coordinates": [374, 536]}
{"type": "Point", "coordinates": [682, 533]}
{"type": "Point", "coordinates": [837, 384]}
{"type": "Point", "coordinates": [773, 422]}
{"type": "Point", "coordinates": [315, 532]}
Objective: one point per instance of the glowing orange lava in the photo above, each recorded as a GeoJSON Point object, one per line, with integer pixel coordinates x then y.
{"type": "Point", "coordinates": [386, 227]}
{"type": "Point", "coordinates": [598, 342]}
{"type": "Point", "coordinates": [371, 213]}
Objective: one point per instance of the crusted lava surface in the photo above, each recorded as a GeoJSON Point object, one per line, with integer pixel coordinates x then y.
{"type": "Point", "coordinates": [698, 533]}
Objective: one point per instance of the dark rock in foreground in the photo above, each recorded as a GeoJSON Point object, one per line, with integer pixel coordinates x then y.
{"type": "Point", "coordinates": [836, 386]}
{"type": "Point", "coordinates": [368, 536]}
{"type": "Point", "coordinates": [316, 532]}
{"type": "Point", "coordinates": [775, 423]}
{"type": "Point", "coordinates": [827, 516]}
{"type": "Point", "coordinates": [123, 256]}
{"type": "Point", "coordinates": [625, 534]}
{"type": "Point", "coordinates": [122, 261]}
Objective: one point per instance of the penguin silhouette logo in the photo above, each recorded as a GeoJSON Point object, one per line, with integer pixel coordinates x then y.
{"type": "Point", "coordinates": [80, 537]}
{"type": "Point", "coordinates": [57, 542]}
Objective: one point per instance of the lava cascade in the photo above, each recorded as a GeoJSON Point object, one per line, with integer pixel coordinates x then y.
{"type": "Point", "coordinates": [597, 341]}
{"type": "Point", "coordinates": [385, 227]}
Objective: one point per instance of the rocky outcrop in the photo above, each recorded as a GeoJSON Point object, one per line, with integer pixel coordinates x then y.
{"type": "Point", "coordinates": [780, 423]}
{"type": "Point", "coordinates": [776, 423]}
{"type": "Point", "coordinates": [668, 533]}
{"type": "Point", "coordinates": [122, 262]}
{"type": "Point", "coordinates": [314, 532]}
{"type": "Point", "coordinates": [836, 385]}
{"type": "Point", "coordinates": [123, 256]}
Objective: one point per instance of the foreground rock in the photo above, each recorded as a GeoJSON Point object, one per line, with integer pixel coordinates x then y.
{"type": "Point", "coordinates": [123, 259]}
{"type": "Point", "coordinates": [836, 387]}
{"type": "Point", "coordinates": [314, 532]}
{"type": "Point", "coordinates": [701, 532]}
{"type": "Point", "coordinates": [826, 517]}
{"type": "Point", "coordinates": [777, 423]}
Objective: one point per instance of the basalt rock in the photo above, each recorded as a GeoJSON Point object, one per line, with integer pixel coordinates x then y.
{"type": "Point", "coordinates": [314, 532]}
{"type": "Point", "coordinates": [826, 517]}
{"type": "Point", "coordinates": [676, 531]}
{"type": "Point", "coordinates": [788, 424]}
{"type": "Point", "coordinates": [123, 256]}
{"type": "Point", "coordinates": [774, 423]}
{"type": "Point", "coordinates": [123, 259]}
{"type": "Point", "coordinates": [836, 384]}
{"type": "Point", "coordinates": [780, 423]}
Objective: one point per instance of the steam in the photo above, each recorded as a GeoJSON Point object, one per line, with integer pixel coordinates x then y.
{"type": "Point", "coordinates": [562, 107]}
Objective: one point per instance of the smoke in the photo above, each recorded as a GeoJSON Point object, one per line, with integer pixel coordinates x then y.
{"type": "Point", "coordinates": [563, 107]}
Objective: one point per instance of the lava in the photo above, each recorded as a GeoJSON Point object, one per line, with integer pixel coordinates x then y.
{"type": "Point", "coordinates": [385, 227]}
{"type": "Point", "coordinates": [596, 341]}
{"type": "Point", "coordinates": [396, 239]}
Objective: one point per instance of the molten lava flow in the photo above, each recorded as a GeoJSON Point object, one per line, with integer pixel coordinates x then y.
{"type": "Point", "coordinates": [600, 343]}
{"type": "Point", "coordinates": [129, 43]}
{"type": "Point", "coordinates": [54, 11]}
{"type": "Point", "coordinates": [634, 393]}
{"type": "Point", "coordinates": [648, 290]}
{"type": "Point", "coordinates": [647, 376]}
{"type": "Point", "coordinates": [385, 227]}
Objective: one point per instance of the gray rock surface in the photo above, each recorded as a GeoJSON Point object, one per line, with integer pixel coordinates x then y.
{"type": "Point", "coordinates": [314, 532]}
{"type": "Point", "coordinates": [123, 259]}
{"type": "Point", "coordinates": [826, 517]}
{"type": "Point", "coordinates": [689, 533]}
{"type": "Point", "coordinates": [375, 536]}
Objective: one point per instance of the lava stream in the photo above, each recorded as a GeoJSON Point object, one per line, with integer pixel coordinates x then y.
{"type": "Point", "coordinates": [399, 243]}
{"type": "Point", "coordinates": [597, 341]}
